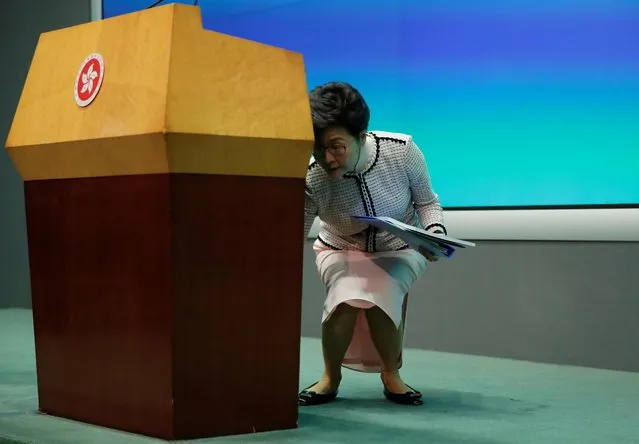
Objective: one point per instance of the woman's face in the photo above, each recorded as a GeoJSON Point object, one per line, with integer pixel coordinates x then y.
{"type": "Point", "coordinates": [337, 151]}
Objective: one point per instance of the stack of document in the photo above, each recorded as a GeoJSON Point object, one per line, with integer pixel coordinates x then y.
{"type": "Point", "coordinates": [439, 245]}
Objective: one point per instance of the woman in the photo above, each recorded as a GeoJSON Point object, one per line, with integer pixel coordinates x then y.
{"type": "Point", "coordinates": [367, 273]}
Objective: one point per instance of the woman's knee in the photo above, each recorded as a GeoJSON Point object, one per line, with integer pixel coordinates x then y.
{"type": "Point", "coordinates": [380, 323]}
{"type": "Point", "coordinates": [344, 310]}
{"type": "Point", "coordinates": [342, 318]}
{"type": "Point", "coordinates": [375, 315]}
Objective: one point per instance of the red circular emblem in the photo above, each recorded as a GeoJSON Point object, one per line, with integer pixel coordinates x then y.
{"type": "Point", "coordinates": [89, 80]}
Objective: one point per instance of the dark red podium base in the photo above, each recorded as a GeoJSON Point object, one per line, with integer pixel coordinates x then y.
{"type": "Point", "coordinates": [168, 305]}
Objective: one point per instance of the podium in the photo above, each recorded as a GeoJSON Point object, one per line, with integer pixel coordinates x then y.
{"type": "Point", "coordinates": [163, 169]}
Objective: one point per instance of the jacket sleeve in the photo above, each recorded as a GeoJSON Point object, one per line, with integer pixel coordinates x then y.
{"type": "Point", "coordinates": [310, 211]}
{"type": "Point", "coordinates": [425, 200]}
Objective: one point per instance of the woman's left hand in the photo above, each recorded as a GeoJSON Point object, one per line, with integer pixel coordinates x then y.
{"type": "Point", "coordinates": [428, 255]}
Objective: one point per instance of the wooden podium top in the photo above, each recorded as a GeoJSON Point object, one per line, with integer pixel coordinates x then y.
{"type": "Point", "coordinates": [167, 96]}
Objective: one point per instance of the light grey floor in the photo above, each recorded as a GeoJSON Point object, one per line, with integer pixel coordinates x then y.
{"type": "Point", "coordinates": [468, 400]}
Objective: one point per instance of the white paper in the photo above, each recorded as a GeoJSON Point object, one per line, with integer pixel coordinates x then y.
{"type": "Point", "coordinates": [437, 244]}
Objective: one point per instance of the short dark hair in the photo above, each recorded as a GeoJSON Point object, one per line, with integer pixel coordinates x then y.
{"type": "Point", "coordinates": [338, 104]}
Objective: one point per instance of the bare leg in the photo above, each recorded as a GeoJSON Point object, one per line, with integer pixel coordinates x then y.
{"type": "Point", "coordinates": [388, 342]}
{"type": "Point", "coordinates": [337, 333]}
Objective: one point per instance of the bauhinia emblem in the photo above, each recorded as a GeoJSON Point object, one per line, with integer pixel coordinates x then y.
{"type": "Point", "coordinates": [89, 80]}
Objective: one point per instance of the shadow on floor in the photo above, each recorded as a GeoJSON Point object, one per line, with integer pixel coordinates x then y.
{"type": "Point", "coordinates": [319, 426]}
{"type": "Point", "coordinates": [440, 402]}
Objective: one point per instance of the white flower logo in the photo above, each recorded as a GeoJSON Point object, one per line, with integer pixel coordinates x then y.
{"type": "Point", "coordinates": [87, 80]}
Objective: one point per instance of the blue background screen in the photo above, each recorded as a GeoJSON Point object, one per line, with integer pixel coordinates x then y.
{"type": "Point", "coordinates": [513, 102]}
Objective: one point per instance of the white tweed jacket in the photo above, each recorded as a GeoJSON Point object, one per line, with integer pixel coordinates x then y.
{"type": "Point", "coordinates": [393, 181]}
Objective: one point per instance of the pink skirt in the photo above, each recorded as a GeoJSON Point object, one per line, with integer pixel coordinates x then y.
{"type": "Point", "coordinates": [365, 280]}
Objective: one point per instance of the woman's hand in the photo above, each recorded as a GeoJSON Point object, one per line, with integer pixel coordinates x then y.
{"type": "Point", "coordinates": [428, 255]}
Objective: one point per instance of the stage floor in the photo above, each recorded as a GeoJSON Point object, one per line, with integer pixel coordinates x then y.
{"type": "Point", "coordinates": [468, 399]}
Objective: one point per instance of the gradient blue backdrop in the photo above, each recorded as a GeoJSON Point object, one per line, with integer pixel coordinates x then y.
{"type": "Point", "coordinates": [513, 102]}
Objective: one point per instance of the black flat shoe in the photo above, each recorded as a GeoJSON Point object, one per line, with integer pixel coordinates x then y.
{"type": "Point", "coordinates": [308, 397]}
{"type": "Point", "coordinates": [413, 397]}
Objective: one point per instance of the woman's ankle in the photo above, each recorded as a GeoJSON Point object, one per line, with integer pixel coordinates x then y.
{"type": "Point", "coordinates": [332, 379]}
{"type": "Point", "coordinates": [326, 384]}
{"type": "Point", "coordinates": [393, 382]}
{"type": "Point", "coordinates": [390, 374]}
